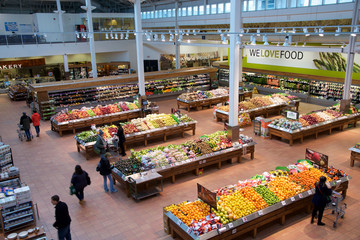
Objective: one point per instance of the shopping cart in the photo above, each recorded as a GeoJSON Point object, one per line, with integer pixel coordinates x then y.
{"type": "Point", "coordinates": [21, 132]}
{"type": "Point", "coordinates": [337, 206]}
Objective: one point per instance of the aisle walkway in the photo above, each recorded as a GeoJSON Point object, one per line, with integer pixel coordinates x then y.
{"type": "Point", "coordinates": [46, 165]}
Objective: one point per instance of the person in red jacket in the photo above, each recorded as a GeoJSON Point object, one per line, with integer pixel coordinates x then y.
{"type": "Point", "coordinates": [36, 122]}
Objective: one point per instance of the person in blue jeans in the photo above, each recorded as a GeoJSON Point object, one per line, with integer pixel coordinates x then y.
{"type": "Point", "coordinates": [62, 218]}
{"type": "Point", "coordinates": [105, 170]}
{"type": "Point", "coordinates": [25, 121]}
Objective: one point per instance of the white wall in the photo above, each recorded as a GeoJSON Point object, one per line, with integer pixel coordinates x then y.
{"type": "Point", "coordinates": [18, 18]}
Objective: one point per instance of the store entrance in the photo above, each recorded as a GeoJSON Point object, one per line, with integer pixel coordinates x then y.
{"type": "Point", "coordinates": [151, 65]}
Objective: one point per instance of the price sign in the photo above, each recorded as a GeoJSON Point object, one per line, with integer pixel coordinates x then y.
{"type": "Point", "coordinates": [183, 162]}
{"type": "Point", "coordinates": [189, 230]}
{"type": "Point", "coordinates": [231, 225]}
{"type": "Point", "coordinates": [260, 212]}
{"type": "Point", "coordinates": [200, 162]}
{"type": "Point", "coordinates": [283, 203]}
{"type": "Point", "coordinates": [179, 222]}
{"type": "Point", "coordinates": [153, 170]}
{"type": "Point", "coordinates": [233, 231]}
{"type": "Point", "coordinates": [244, 219]}
{"type": "Point", "coordinates": [292, 199]}
{"type": "Point", "coordinates": [204, 161]}
{"type": "Point", "coordinates": [300, 195]}
{"type": "Point", "coordinates": [163, 167]}
{"type": "Point", "coordinates": [309, 192]}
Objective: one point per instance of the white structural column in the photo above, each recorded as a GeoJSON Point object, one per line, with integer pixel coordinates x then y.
{"type": "Point", "coordinates": [89, 9]}
{"type": "Point", "coordinates": [139, 47]}
{"type": "Point", "coordinates": [235, 63]}
{"type": "Point", "coordinates": [61, 26]}
{"type": "Point", "coordinates": [177, 43]}
{"type": "Point", "coordinates": [345, 102]}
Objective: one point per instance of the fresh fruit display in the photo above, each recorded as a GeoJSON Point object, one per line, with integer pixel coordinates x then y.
{"type": "Point", "coordinates": [244, 119]}
{"type": "Point", "coordinates": [269, 197]}
{"type": "Point", "coordinates": [99, 110]}
{"type": "Point", "coordinates": [334, 173]}
{"type": "Point", "coordinates": [283, 188]}
{"type": "Point", "coordinates": [255, 198]}
{"type": "Point", "coordinates": [286, 124]}
{"type": "Point", "coordinates": [205, 225]}
{"type": "Point", "coordinates": [189, 212]}
{"type": "Point", "coordinates": [199, 95]}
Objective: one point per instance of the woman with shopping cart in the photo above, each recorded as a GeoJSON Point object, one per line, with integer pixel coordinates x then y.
{"type": "Point", "coordinates": [321, 198]}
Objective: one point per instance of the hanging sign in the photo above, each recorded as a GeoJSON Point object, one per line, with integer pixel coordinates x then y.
{"type": "Point", "coordinates": [206, 195]}
{"type": "Point", "coordinates": [11, 27]}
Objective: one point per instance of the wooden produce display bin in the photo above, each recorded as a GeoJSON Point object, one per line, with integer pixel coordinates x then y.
{"type": "Point", "coordinates": [251, 222]}
{"type": "Point", "coordinates": [315, 129]}
{"type": "Point", "coordinates": [144, 136]}
{"type": "Point", "coordinates": [190, 165]}
{"type": "Point", "coordinates": [355, 155]}
{"type": "Point", "coordinates": [198, 104]}
{"type": "Point", "coordinates": [262, 111]}
{"type": "Point", "coordinates": [72, 125]}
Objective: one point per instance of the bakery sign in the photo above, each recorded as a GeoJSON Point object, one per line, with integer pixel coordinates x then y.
{"type": "Point", "coordinates": [17, 64]}
{"type": "Point", "coordinates": [11, 66]}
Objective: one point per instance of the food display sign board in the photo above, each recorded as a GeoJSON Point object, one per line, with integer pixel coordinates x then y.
{"type": "Point", "coordinates": [319, 159]}
{"type": "Point", "coordinates": [206, 195]}
{"type": "Point", "coordinates": [293, 115]}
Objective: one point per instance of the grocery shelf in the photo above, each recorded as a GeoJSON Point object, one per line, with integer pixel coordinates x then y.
{"type": "Point", "coordinates": [18, 217]}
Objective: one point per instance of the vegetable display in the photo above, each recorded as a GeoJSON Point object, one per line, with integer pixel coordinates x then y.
{"type": "Point", "coordinates": [199, 95]}
{"type": "Point", "coordinates": [252, 195]}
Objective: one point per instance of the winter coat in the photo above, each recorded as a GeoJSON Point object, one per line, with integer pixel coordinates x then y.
{"type": "Point", "coordinates": [105, 167]}
{"type": "Point", "coordinates": [35, 118]}
{"type": "Point", "coordinates": [321, 193]}
{"type": "Point", "coordinates": [100, 144]}
{"type": "Point", "coordinates": [25, 121]}
{"type": "Point", "coordinates": [120, 134]}
{"type": "Point", "coordinates": [79, 181]}
{"type": "Point", "coordinates": [62, 217]}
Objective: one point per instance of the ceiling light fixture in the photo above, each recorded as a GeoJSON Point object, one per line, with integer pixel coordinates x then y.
{"type": "Point", "coordinates": [116, 36]}
{"type": "Point", "coordinates": [306, 32]}
{"type": "Point", "coordinates": [321, 32]}
{"type": "Point", "coordinates": [241, 32]}
{"type": "Point", "coordinates": [162, 37]}
{"type": "Point", "coordinates": [122, 36]}
{"type": "Point", "coordinates": [356, 30]}
{"type": "Point", "coordinates": [106, 35]}
{"type": "Point", "coordinates": [224, 41]}
{"type": "Point", "coordinates": [338, 31]}
{"type": "Point", "coordinates": [127, 35]}
{"type": "Point", "coordinates": [253, 40]}
{"type": "Point", "coordinates": [286, 42]}
{"type": "Point", "coordinates": [265, 40]}
{"type": "Point", "coordinates": [258, 32]}
{"type": "Point", "coordinates": [238, 42]}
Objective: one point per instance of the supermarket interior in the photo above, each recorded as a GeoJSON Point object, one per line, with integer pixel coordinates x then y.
{"type": "Point", "coordinates": [221, 119]}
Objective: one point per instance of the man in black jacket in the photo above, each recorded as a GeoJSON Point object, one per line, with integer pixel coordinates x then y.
{"type": "Point", "coordinates": [62, 218]}
{"type": "Point", "coordinates": [25, 121]}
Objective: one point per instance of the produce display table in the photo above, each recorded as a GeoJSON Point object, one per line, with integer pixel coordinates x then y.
{"type": "Point", "coordinates": [251, 222]}
{"type": "Point", "coordinates": [97, 120]}
{"type": "Point", "coordinates": [143, 136]}
{"type": "Point", "coordinates": [201, 103]}
{"type": "Point", "coordinates": [189, 165]}
{"type": "Point", "coordinates": [355, 155]}
{"type": "Point", "coordinates": [261, 111]}
{"type": "Point", "coordinates": [315, 129]}
{"type": "Point", "coordinates": [244, 95]}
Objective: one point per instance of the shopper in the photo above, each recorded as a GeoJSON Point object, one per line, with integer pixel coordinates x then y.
{"type": "Point", "coordinates": [100, 145]}
{"type": "Point", "coordinates": [105, 171]}
{"type": "Point", "coordinates": [80, 179]}
{"type": "Point", "coordinates": [25, 121]}
{"type": "Point", "coordinates": [35, 118]}
{"type": "Point", "coordinates": [322, 193]}
{"type": "Point", "coordinates": [62, 218]}
{"type": "Point", "coordinates": [121, 136]}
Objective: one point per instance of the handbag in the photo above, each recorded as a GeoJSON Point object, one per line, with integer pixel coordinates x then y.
{"type": "Point", "coordinates": [72, 190]}
{"type": "Point", "coordinates": [88, 180]}
{"type": "Point", "coordinates": [98, 167]}
{"type": "Point", "coordinates": [327, 197]}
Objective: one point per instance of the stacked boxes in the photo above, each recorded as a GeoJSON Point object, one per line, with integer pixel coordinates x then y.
{"type": "Point", "coordinates": [22, 194]}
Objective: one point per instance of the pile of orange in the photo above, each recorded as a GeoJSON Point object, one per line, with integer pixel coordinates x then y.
{"type": "Point", "coordinates": [283, 188]}
{"type": "Point", "coordinates": [307, 178]}
{"type": "Point", "coordinates": [256, 199]}
{"type": "Point", "coordinates": [187, 212]}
